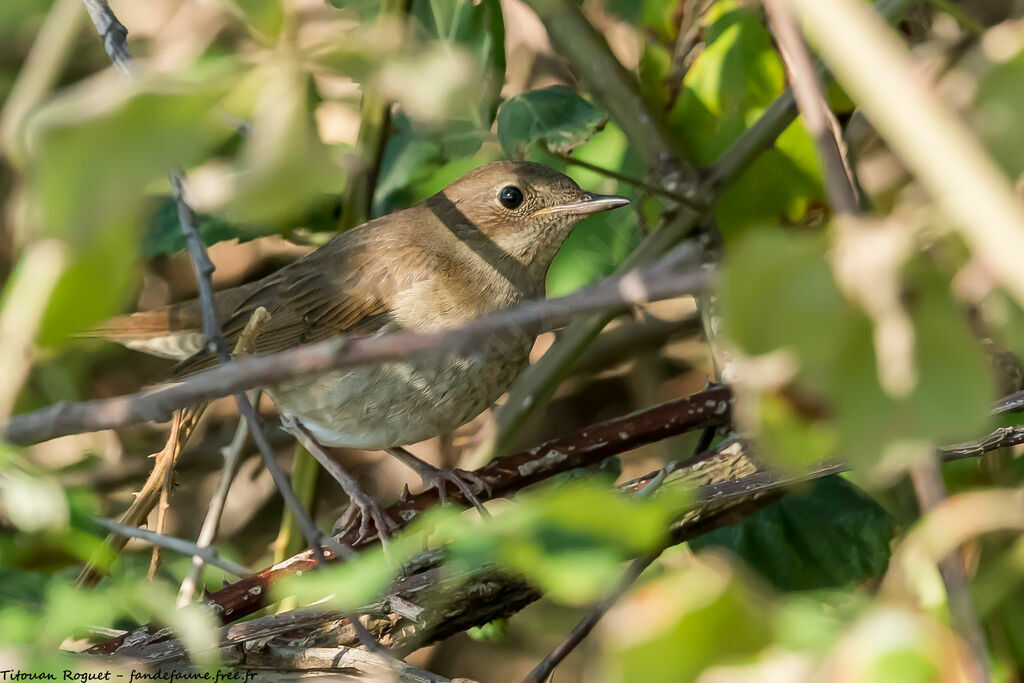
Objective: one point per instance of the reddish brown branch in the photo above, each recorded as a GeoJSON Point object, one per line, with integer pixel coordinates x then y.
{"type": "Point", "coordinates": [506, 476]}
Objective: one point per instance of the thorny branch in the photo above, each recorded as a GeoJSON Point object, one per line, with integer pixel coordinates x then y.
{"type": "Point", "coordinates": [729, 487]}
{"type": "Point", "coordinates": [208, 554]}
{"type": "Point", "coordinates": [506, 476]}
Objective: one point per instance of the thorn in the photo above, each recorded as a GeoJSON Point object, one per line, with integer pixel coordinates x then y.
{"type": "Point", "coordinates": [405, 494]}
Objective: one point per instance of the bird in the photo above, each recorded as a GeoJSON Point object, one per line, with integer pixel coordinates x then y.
{"type": "Point", "coordinates": [482, 244]}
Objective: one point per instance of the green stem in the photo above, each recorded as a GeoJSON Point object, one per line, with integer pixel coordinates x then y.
{"type": "Point", "coordinates": [616, 89]}
{"type": "Point", "coordinates": [375, 118]}
{"type": "Point", "coordinates": [304, 475]}
{"type": "Point", "coordinates": [536, 385]}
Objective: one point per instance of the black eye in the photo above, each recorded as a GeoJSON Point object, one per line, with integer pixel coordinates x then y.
{"type": "Point", "coordinates": [510, 197]}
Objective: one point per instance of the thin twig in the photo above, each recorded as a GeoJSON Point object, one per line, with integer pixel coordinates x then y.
{"type": "Point", "coordinates": [621, 177]}
{"type": "Point", "coordinates": [180, 545]}
{"type": "Point", "coordinates": [232, 453]}
{"type": "Point", "coordinates": [114, 36]}
{"type": "Point", "coordinates": [810, 100]}
{"type": "Point", "coordinates": [617, 90]}
{"type": "Point", "coordinates": [245, 344]}
{"type": "Point", "coordinates": [547, 665]}
{"type": "Point", "coordinates": [158, 403]}
{"type": "Point", "coordinates": [930, 491]}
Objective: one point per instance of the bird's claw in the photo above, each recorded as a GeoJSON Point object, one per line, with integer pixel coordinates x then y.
{"type": "Point", "coordinates": [462, 480]}
{"type": "Point", "coordinates": [367, 514]}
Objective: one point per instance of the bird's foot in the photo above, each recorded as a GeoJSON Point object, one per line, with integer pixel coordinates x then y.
{"type": "Point", "coordinates": [364, 513]}
{"type": "Point", "coordinates": [469, 484]}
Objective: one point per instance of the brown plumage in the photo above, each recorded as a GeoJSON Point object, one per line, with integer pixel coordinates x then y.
{"type": "Point", "coordinates": [482, 244]}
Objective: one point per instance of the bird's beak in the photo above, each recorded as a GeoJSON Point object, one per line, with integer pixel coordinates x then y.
{"type": "Point", "coordinates": [590, 203]}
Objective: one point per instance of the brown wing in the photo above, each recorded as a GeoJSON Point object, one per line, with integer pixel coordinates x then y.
{"type": "Point", "coordinates": [341, 288]}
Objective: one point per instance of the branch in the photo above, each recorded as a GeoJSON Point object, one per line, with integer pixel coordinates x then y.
{"type": "Point", "coordinates": [158, 404]}
{"type": "Point", "coordinates": [814, 110]}
{"type": "Point", "coordinates": [543, 670]}
{"type": "Point", "coordinates": [616, 89]}
{"type": "Point", "coordinates": [180, 545]}
{"type": "Point", "coordinates": [539, 381]}
{"type": "Point", "coordinates": [114, 36]}
{"type": "Point", "coordinates": [729, 487]}
{"type": "Point", "coordinates": [584, 448]}
{"type": "Point", "coordinates": [935, 144]}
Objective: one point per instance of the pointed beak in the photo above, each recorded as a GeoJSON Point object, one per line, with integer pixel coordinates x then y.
{"type": "Point", "coordinates": [591, 202]}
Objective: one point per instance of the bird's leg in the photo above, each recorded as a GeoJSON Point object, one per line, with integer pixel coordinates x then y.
{"type": "Point", "coordinates": [437, 478]}
{"type": "Point", "coordinates": [361, 506]}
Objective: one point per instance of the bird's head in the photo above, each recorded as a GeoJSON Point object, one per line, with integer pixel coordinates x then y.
{"type": "Point", "coordinates": [523, 208]}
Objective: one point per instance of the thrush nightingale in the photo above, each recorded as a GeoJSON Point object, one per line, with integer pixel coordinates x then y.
{"type": "Point", "coordinates": [482, 244]}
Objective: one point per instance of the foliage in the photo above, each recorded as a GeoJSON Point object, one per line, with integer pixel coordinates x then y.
{"type": "Point", "coordinates": [870, 339]}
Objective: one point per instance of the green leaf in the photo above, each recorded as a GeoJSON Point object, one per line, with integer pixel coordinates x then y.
{"type": "Point", "coordinates": [163, 235]}
{"type": "Point", "coordinates": [778, 292]}
{"type": "Point", "coordinates": [477, 27]}
{"type": "Point", "coordinates": [729, 84]}
{"type": "Point", "coordinates": [97, 148]}
{"type": "Point", "coordinates": [596, 248]}
{"type": "Point", "coordinates": [417, 163]}
{"type": "Point", "coordinates": [1000, 99]}
{"type": "Point", "coordinates": [556, 117]}
{"type": "Point", "coordinates": [266, 16]}
{"type": "Point", "coordinates": [778, 187]}
{"type": "Point", "coordinates": [828, 534]}
{"type": "Point", "coordinates": [95, 285]}
{"type": "Point", "coordinates": [677, 626]}
{"type": "Point", "coordinates": [725, 91]}
{"type": "Point", "coordinates": [283, 169]}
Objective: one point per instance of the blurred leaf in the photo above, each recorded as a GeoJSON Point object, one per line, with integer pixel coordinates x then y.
{"type": "Point", "coordinates": [569, 540]}
{"type": "Point", "coordinates": [678, 625]}
{"type": "Point", "coordinates": [555, 116]}
{"type": "Point", "coordinates": [956, 383]}
{"type": "Point", "coordinates": [95, 285]}
{"type": "Point", "coordinates": [478, 27]}
{"type": "Point", "coordinates": [266, 16]}
{"type": "Point", "coordinates": [778, 292]}
{"type": "Point", "coordinates": [22, 587]}
{"type": "Point", "coordinates": [999, 101]}
{"type": "Point", "coordinates": [824, 535]}
{"type": "Point", "coordinates": [492, 632]}
{"type": "Point", "coordinates": [94, 152]}
{"type": "Point", "coordinates": [283, 168]}
{"type": "Point", "coordinates": [655, 14]}
{"type": "Point", "coordinates": [96, 148]}
{"type": "Point", "coordinates": [32, 503]}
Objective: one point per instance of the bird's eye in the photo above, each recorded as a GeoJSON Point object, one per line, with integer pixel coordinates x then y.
{"type": "Point", "coordinates": [510, 197]}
